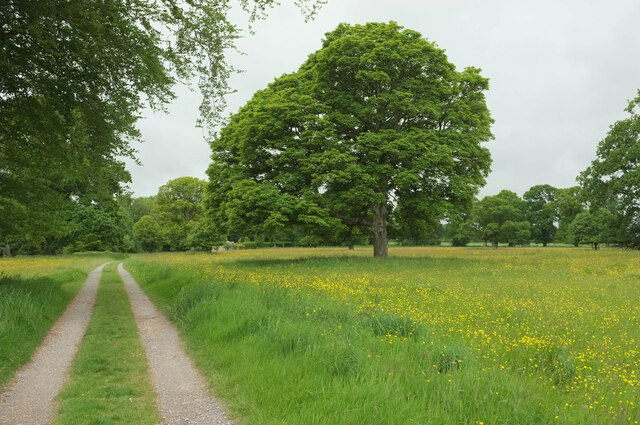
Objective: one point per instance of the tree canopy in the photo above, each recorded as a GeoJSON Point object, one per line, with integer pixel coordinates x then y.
{"type": "Point", "coordinates": [178, 208]}
{"type": "Point", "coordinates": [148, 234]}
{"type": "Point", "coordinates": [612, 180]}
{"type": "Point", "coordinates": [592, 227]}
{"type": "Point", "coordinates": [377, 122]}
{"type": "Point", "coordinates": [74, 77]}
{"type": "Point", "coordinates": [568, 204]}
{"type": "Point", "coordinates": [541, 212]}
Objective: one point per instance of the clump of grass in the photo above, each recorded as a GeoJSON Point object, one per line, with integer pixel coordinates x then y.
{"type": "Point", "coordinates": [286, 338]}
{"type": "Point", "coordinates": [386, 324]}
{"type": "Point", "coordinates": [558, 363]}
{"type": "Point", "coordinates": [344, 360]}
{"type": "Point", "coordinates": [189, 296]}
{"type": "Point", "coordinates": [445, 358]}
{"type": "Point", "coordinates": [109, 382]}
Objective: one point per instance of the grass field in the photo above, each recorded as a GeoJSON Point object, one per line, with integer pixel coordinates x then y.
{"type": "Point", "coordinates": [34, 291]}
{"type": "Point", "coordinates": [429, 336]}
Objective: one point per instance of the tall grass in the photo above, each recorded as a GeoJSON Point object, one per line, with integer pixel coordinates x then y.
{"type": "Point", "coordinates": [34, 292]}
{"type": "Point", "coordinates": [434, 336]}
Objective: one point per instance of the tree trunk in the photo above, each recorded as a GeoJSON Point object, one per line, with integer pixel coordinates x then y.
{"type": "Point", "coordinates": [350, 239]}
{"type": "Point", "coordinates": [494, 242]}
{"type": "Point", "coordinates": [485, 243]}
{"type": "Point", "coordinates": [379, 229]}
{"type": "Point", "coordinates": [544, 243]}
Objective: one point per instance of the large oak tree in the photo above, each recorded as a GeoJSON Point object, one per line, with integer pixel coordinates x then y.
{"type": "Point", "coordinates": [375, 122]}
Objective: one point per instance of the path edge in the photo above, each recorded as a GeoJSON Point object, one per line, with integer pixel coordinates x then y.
{"type": "Point", "coordinates": [19, 391]}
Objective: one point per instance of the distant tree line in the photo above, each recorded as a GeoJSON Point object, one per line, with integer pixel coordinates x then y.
{"type": "Point", "coordinates": [171, 220]}
{"type": "Point", "coordinates": [603, 209]}
{"type": "Point", "coordinates": [544, 215]}
{"type": "Point", "coordinates": [175, 220]}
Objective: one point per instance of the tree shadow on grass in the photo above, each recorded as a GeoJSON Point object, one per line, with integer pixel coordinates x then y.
{"type": "Point", "coordinates": [351, 261]}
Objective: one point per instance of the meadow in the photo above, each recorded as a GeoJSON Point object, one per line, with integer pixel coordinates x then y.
{"type": "Point", "coordinates": [34, 292]}
{"type": "Point", "coordinates": [429, 336]}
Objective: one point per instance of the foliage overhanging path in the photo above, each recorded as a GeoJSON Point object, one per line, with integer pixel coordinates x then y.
{"type": "Point", "coordinates": [182, 391]}
{"type": "Point", "coordinates": [30, 397]}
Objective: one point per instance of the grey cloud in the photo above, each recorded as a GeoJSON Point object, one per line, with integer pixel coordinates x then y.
{"type": "Point", "coordinates": [560, 71]}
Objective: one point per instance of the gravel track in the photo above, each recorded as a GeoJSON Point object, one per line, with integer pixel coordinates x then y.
{"type": "Point", "coordinates": [29, 399]}
{"type": "Point", "coordinates": [183, 398]}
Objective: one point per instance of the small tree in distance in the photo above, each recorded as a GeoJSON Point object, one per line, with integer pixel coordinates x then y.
{"type": "Point", "coordinates": [500, 218]}
{"type": "Point", "coordinates": [568, 204]}
{"type": "Point", "coordinates": [541, 212]}
{"type": "Point", "coordinates": [591, 228]}
{"type": "Point", "coordinates": [178, 209]}
{"type": "Point", "coordinates": [147, 234]}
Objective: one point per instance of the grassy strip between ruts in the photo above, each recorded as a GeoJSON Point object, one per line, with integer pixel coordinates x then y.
{"type": "Point", "coordinates": [278, 356]}
{"type": "Point", "coordinates": [34, 292]}
{"type": "Point", "coordinates": [109, 377]}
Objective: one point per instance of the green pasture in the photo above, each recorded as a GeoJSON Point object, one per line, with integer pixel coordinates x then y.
{"type": "Point", "coordinates": [429, 336]}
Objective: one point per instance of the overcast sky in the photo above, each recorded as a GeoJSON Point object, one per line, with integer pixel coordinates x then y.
{"type": "Point", "coordinates": [560, 73]}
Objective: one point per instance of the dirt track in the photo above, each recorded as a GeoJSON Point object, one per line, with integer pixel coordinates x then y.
{"type": "Point", "coordinates": [183, 398]}
{"type": "Point", "coordinates": [30, 396]}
